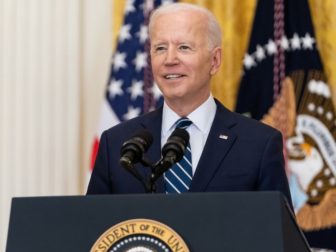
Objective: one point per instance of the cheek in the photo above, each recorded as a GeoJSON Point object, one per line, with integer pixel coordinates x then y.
{"type": "Point", "coordinates": [154, 63]}
{"type": "Point", "coordinates": [157, 61]}
{"type": "Point", "coordinates": [200, 64]}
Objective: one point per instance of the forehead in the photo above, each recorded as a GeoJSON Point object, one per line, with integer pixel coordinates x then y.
{"type": "Point", "coordinates": [183, 23]}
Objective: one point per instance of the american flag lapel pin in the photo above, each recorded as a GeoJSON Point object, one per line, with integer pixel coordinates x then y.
{"type": "Point", "coordinates": [222, 136]}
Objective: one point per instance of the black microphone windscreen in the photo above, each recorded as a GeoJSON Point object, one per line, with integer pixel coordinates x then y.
{"type": "Point", "coordinates": [133, 149]}
{"type": "Point", "coordinates": [176, 144]}
{"type": "Point", "coordinates": [182, 133]}
{"type": "Point", "coordinates": [144, 137]}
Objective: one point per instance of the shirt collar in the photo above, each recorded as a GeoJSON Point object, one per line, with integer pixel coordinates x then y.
{"type": "Point", "coordinates": [201, 117]}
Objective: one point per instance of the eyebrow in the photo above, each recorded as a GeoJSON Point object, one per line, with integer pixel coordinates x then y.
{"type": "Point", "coordinates": [159, 43]}
{"type": "Point", "coordinates": [177, 43]}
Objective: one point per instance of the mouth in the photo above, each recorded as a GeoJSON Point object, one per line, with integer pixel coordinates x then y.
{"type": "Point", "coordinates": [173, 76]}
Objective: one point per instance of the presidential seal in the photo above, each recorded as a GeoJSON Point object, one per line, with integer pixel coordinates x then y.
{"type": "Point", "coordinates": [140, 235]}
{"type": "Point", "coordinates": [310, 132]}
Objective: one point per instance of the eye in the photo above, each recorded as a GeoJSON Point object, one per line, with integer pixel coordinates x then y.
{"type": "Point", "coordinates": [159, 49]}
{"type": "Point", "coordinates": [184, 47]}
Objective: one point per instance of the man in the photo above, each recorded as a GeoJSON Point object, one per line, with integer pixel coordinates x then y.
{"type": "Point", "coordinates": [228, 151]}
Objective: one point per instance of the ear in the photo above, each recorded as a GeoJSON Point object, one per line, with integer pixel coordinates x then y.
{"type": "Point", "coordinates": [216, 60]}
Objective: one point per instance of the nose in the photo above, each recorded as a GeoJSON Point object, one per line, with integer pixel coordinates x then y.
{"type": "Point", "coordinates": [171, 57]}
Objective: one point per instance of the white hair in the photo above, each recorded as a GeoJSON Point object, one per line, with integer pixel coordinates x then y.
{"type": "Point", "coordinates": [214, 30]}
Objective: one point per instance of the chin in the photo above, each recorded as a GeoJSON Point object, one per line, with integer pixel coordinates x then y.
{"type": "Point", "coordinates": [173, 93]}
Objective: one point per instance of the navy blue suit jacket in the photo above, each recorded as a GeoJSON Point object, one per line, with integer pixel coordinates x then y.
{"type": "Point", "coordinates": [250, 159]}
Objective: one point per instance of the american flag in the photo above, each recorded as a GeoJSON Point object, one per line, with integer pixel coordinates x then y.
{"type": "Point", "coordinates": [130, 90]}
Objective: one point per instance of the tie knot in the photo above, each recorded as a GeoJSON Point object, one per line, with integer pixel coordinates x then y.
{"type": "Point", "coordinates": [183, 123]}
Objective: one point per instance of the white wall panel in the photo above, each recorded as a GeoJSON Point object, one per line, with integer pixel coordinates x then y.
{"type": "Point", "coordinates": [97, 38]}
{"type": "Point", "coordinates": [54, 59]}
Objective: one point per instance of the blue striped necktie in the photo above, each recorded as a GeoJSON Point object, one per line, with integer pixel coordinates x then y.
{"type": "Point", "coordinates": [178, 178]}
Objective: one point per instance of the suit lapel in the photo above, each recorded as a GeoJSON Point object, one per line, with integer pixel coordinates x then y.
{"type": "Point", "coordinates": [219, 142]}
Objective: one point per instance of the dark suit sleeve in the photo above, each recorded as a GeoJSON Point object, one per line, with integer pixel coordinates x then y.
{"type": "Point", "coordinates": [100, 182]}
{"type": "Point", "coordinates": [272, 174]}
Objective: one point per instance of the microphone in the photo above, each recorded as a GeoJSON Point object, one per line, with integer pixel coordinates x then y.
{"type": "Point", "coordinates": [172, 151]}
{"type": "Point", "coordinates": [132, 150]}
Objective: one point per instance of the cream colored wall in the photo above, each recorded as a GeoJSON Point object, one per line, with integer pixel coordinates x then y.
{"type": "Point", "coordinates": [54, 61]}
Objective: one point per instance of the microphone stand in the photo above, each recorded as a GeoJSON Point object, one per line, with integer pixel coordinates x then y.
{"type": "Point", "coordinates": [131, 169]}
{"type": "Point", "coordinates": [157, 169]}
{"type": "Point", "coordinates": [150, 186]}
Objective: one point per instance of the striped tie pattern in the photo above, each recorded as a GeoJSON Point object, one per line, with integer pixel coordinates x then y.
{"type": "Point", "coordinates": [178, 178]}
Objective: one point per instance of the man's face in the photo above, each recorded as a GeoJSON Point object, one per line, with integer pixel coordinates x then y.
{"type": "Point", "coordinates": [182, 61]}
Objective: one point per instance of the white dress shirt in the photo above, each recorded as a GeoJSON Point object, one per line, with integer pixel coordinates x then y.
{"type": "Point", "coordinates": [202, 119]}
